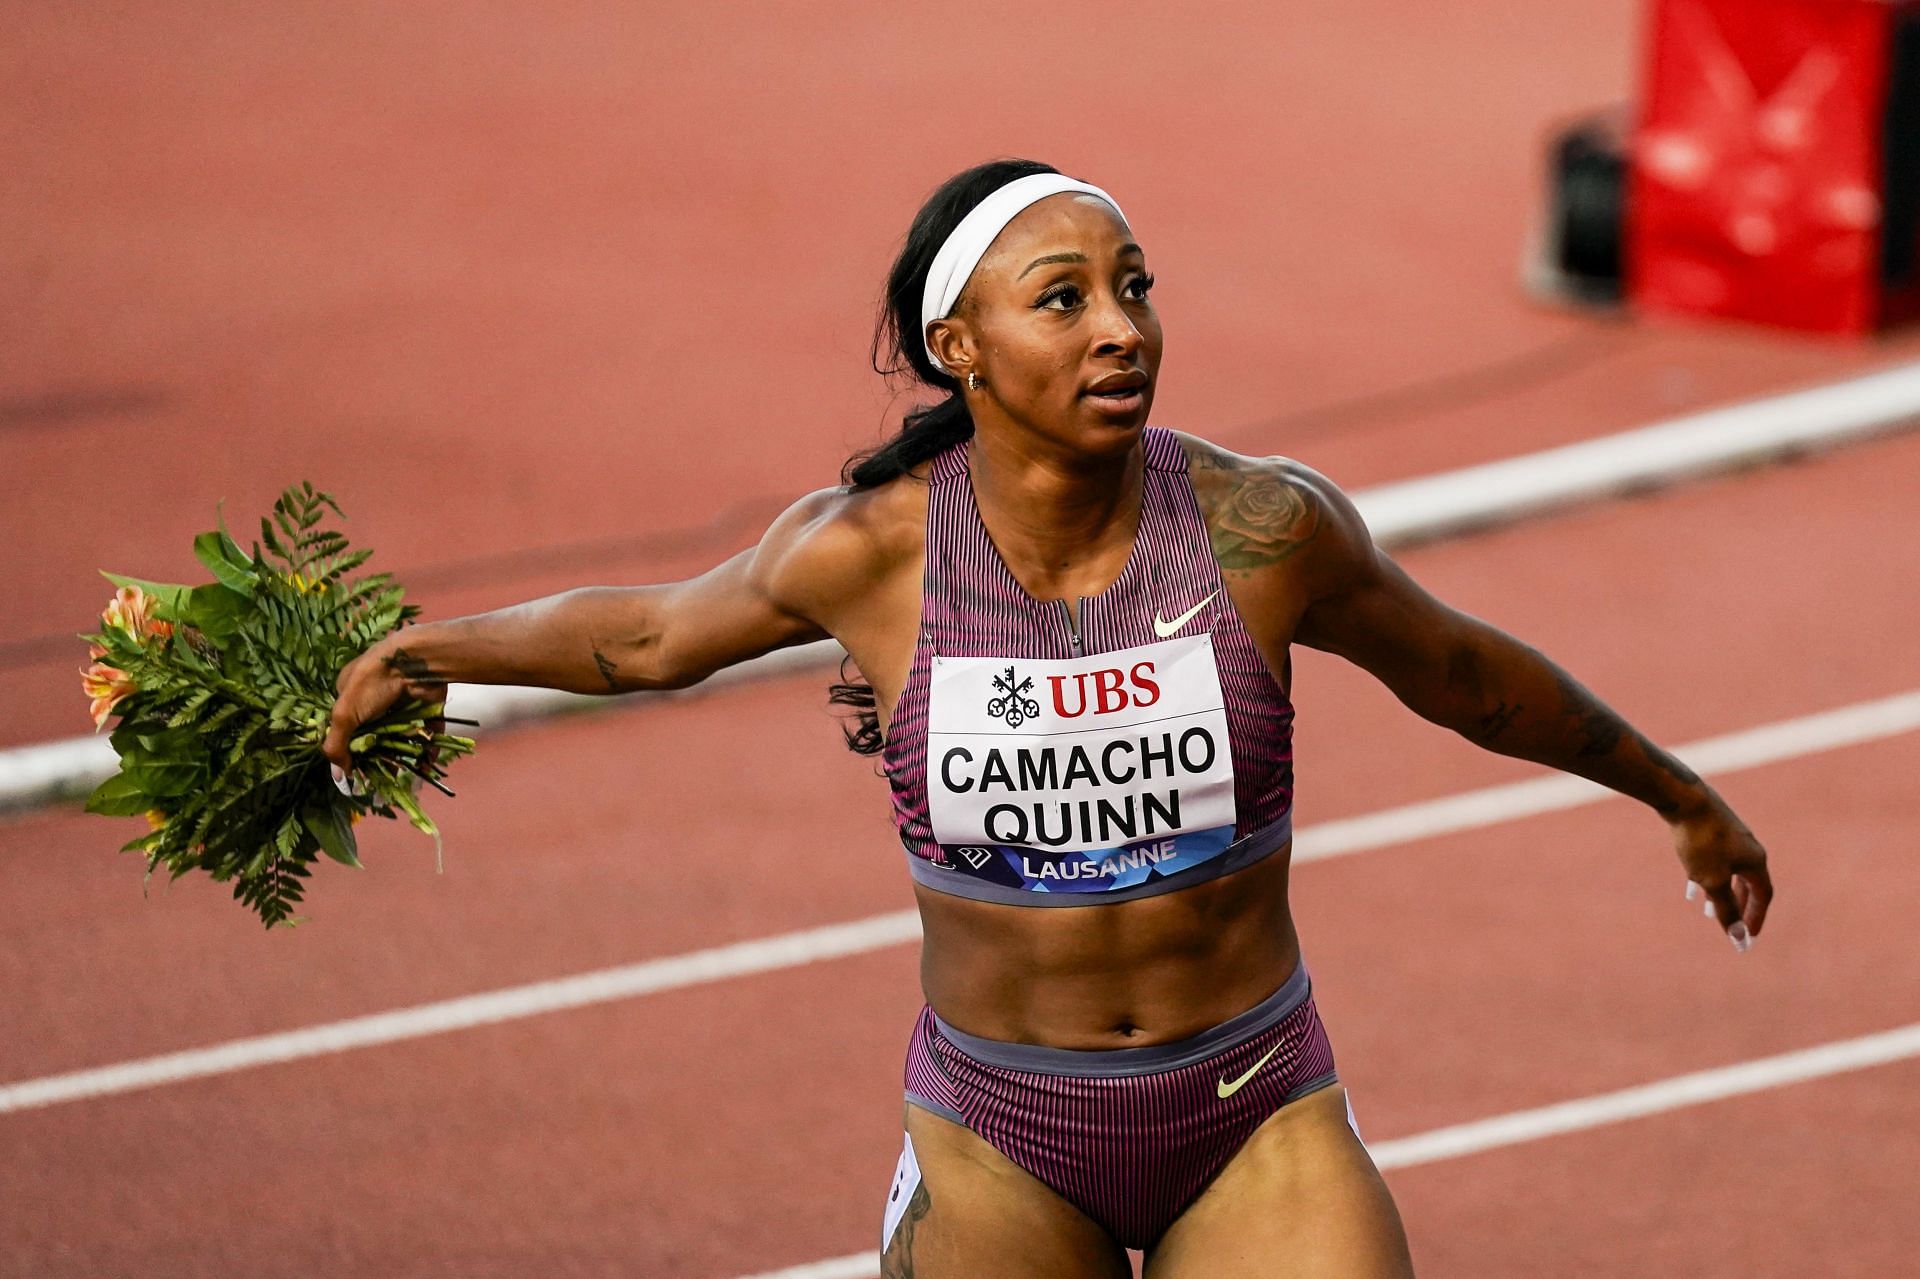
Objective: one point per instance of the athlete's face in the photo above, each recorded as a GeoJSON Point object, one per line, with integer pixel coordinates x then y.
{"type": "Point", "coordinates": [1056, 323]}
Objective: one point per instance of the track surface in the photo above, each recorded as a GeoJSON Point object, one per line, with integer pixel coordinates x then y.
{"type": "Point", "coordinates": [597, 279]}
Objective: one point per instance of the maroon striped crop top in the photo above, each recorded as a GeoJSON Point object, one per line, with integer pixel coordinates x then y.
{"type": "Point", "coordinates": [1034, 766]}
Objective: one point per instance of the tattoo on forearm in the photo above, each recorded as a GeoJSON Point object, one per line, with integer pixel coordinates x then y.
{"type": "Point", "coordinates": [898, 1261]}
{"type": "Point", "coordinates": [1495, 721]}
{"type": "Point", "coordinates": [1261, 521]}
{"type": "Point", "coordinates": [1467, 676]}
{"type": "Point", "coordinates": [1600, 727]}
{"type": "Point", "coordinates": [1596, 729]}
{"type": "Point", "coordinates": [608, 670]}
{"type": "Point", "coordinates": [1464, 674]}
{"type": "Point", "coordinates": [1669, 765]}
{"type": "Point", "coordinates": [411, 666]}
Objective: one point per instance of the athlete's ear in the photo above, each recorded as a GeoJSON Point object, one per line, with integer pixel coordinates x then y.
{"type": "Point", "coordinates": [952, 340]}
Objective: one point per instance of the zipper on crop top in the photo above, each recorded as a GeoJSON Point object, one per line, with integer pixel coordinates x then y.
{"type": "Point", "coordinates": [1073, 632]}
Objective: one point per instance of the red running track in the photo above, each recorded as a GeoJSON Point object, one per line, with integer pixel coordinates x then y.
{"type": "Point", "coordinates": [502, 282]}
{"type": "Point", "coordinates": [583, 293]}
{"type": "Point", "coordinates": [738, 1127]}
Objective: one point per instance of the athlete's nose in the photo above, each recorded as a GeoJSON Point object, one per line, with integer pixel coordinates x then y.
{"type": "Point", "coordinates": [1115, 331]}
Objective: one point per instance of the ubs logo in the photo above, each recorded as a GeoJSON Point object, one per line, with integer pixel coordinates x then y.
{"type": "Point", "coordinates": [1111, 690]}
{"type": "Point", "coordinates": [1013, 705]}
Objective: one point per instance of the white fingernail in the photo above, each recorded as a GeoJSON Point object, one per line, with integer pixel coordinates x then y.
{"type": "Point", "coordinates": [1739, 936]}
{"type": "Point", "coordinates": [1706, 908]}
{"type": "Point", "coordinates": [340, 780]}
{"type": "Point", "coordinates": [1692, 888]}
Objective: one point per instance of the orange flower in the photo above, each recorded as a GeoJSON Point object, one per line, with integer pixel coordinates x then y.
{"type": "Point", "coordinates": [131, 610]}
{"type": "Point", "coordinates": [127, 609]}
{"type": "Point", "coordinates": [354, 818]}
{"type": "Point", "coordinates": [155, 819]}
{"type": "Point", "coordinates": [106, 685]}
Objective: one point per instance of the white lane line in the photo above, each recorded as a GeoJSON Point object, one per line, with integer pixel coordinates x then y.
{"type": "Point", "coordinates": [1474, 497]}
{"type": "Point", "coordinates": [70, 767]}
{"type": "Point", "coordinates": [789, 950]}
{"type": "Point", "coordinates": [861, 1265]}
{"type": "Point", "coordinates": [1696, 1089]}
{"type": "Point", "coordinates": [1677, 1093]}
{"type": "Point", "coordinates": [1750, 748]}
{"type": "Point", "coordinates": [1650, 457]}
{"type": "Point", "coordinates": [1788, 739]}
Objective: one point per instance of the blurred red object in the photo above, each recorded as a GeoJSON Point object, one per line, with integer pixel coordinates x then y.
{"type": "Point", "coordinates": [1775, 169]}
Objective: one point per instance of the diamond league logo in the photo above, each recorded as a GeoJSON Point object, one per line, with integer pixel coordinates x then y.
{"type": "Point", "coordinates": [1013, 705]}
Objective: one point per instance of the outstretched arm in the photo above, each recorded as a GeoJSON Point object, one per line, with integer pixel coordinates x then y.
{"type": "Point", "coordinates": [617, 639]}
{"type": "Point", "coordinates": [1507, 696]}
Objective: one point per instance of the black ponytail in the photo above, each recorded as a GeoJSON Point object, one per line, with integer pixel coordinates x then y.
{"type": "Point", "coordinates": [899, 351]}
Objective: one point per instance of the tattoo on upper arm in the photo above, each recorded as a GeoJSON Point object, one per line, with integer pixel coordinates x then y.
{"type": "Point", "coordinates": [898, 1261]}
{"type": "Point", "coordinates": [1261, 520]}
{"type": "Point", "coordinates": [1601, 728]}
{"type": "Point", "coordinates": [1215, 460]}
{"type": "Point", "coordinates": [411, 666]}
{"type": "Point", "coordinates": [607, 669]}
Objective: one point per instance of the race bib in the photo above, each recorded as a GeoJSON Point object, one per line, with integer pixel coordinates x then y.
{"type": "Point", "coordinates": [1084, 774]}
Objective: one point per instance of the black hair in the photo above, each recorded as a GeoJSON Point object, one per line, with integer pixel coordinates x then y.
{"type": "Point", "coordinates": [899, 351]}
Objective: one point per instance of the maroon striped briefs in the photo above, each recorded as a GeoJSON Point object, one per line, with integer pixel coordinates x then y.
{"type": "Point", "coordinates": [1036, 763]}
{"type": "Point", "coordinates": [1130, 1136]}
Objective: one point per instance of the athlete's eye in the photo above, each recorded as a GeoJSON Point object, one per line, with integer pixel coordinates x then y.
{"type": "Point", "coordinates": [1140, 284]}
{"type": "Point", "coordinates": [1068, 292]}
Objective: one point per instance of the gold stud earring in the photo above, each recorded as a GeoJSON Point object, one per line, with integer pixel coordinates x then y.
{"type": "Point", "coordinates": [973, 381]}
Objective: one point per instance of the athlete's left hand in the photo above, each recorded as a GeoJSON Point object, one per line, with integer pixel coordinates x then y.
{"type": "Point", "coordinates": [1723, 859]}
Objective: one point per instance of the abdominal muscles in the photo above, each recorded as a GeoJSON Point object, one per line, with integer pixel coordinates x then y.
{"type": "Point", "coordinates": [1115, 975]}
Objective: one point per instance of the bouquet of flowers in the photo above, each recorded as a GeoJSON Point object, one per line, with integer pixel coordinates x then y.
{"type": "Point", "coordinates": [223, 692]}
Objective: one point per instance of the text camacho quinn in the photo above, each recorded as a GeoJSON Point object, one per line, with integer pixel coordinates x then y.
{"type": "Point", "coordinates": [1084, 773]}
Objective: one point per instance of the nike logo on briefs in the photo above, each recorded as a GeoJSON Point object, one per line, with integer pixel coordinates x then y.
{"type": "Point", "coordinates": [1228, 1089]}
{"type": "Point", "coordinates": [1164, 629]}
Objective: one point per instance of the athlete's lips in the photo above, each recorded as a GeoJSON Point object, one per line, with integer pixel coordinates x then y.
{"type": "Point", "coordinates": [1118, 382]}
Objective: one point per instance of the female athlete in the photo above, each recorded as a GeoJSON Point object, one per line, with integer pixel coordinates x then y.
{"type": "Point", "coordinates": [1073, 631]}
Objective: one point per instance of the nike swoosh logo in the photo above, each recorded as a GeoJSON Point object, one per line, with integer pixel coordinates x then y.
{"type": "Point", "coordinates": [1164, 628]}
{"type": "Point", "coordinates": [1228, 1089]}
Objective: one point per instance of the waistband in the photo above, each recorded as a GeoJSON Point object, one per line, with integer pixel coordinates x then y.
{"type": "Point", "coordinates": [1239, 855]}
{"type": "Point", "coordinates": [1094, 1063]}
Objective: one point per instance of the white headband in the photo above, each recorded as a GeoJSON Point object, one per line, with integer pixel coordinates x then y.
{"type": "Point", "coordinates": [975, 235]}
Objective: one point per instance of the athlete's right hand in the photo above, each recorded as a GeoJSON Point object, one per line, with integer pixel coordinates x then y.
{"type": "Point", "coordinates": [365, 688]}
